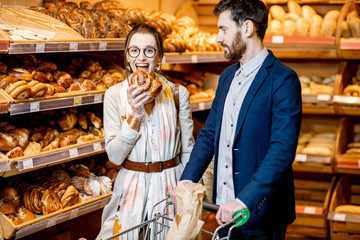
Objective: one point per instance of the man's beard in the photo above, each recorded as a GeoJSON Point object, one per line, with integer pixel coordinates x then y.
{"type": "Point", "coordinates": [237, 48]}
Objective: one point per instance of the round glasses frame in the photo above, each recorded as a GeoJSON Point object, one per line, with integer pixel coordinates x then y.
{"type": "Point", "coordinates": [134, 52]}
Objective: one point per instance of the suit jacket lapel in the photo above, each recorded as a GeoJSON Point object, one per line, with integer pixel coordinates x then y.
{"type": "Point", "coordinates": [257, 82]}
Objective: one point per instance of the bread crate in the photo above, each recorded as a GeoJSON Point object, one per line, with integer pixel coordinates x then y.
{"type": "Point", "coordinates": [312, 199]}
{"type": "Point", "coordinates": [318, 82]}
{"type": "Point", "coordinates": [348, 31]}
{"type": "Point", "coordinates": [316, 144]}
{"type": "Point", "coordinates": [347, 95]}
{"type": "Point", "coordinates": [344, 215]}
{"type": "Point", "coordinates": [347, 149]}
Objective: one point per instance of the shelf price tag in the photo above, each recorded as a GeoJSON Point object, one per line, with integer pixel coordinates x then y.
{"type": "Point", "coordinates": [194, 58]}
{"type": "Point", "coordinates": [310, 210]}
{"type": "Point", "coordinates": [97, 98]}
{"type": "Point", "coordinates": [74, 213]}
{"type": "Point", "coordinates": [28, 163]}
{"type": "Point", "coordinates": [339, 217]}
{"type": "Point", "coordinates": [201, 106]}
{"type": "Point", "coordinates": [301, 157]}
{"type": "Point", "coordinates": [73, 46]}
{"type": "Point", "coordinates": [323, 97]}
{"type": "Point", "coordinates": [77, 101]}
{"type": "Point", "coordinates": [102, 46]}
{"type": "Point", "coordinates": [40, 48]}
{"type": "Point", "coordinates": [73, 152]}
{"type": "Point", "coordinates": [97, 146]}
{"type": "Point", "coordinates": [4, 166]}
{"type": "Point", "coordinates": [277, 39]}
{"type": "Point", "coordinates": [34, 106]}
{"type": "Point", "coordinates": [52, 221]}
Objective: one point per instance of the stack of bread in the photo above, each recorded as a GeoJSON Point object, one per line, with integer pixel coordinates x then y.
{"type": "Point", "coordinates": [353, 147]}
{"type": "Point", "coordinates": [30, 195]}
{"type": "Point", "coordinates": [48, 131]}
{"type": "Point", "coordinates": [27, 76]}
{"type": "Point", "coordinates": [316, 143]}
{"type": "Point", "coordinates": [104, 19]}
{"type": "Point", "coordinates": [301, 21]}
{"type": "Point", "coordinates": [317, 84]}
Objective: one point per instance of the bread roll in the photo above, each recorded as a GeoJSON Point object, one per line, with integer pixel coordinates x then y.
{"type": "Point", "coordinates": [328, 27]}
{"type": "Point", "coordinates": [352, 90]}
{"type": "Point", "coordinates": [94, 119]}
{"type": "Point", "coordinates": [294, 7]}
{"type": "Point", "coordinates": [144, 80]}
{"type": "Point", "coordinates": [10, 193]}
{"type": "Point", "coordinates": [50, 202]}
{"type": "Point", "coordinates": [70, 197]}
{"type": "Point", "coordinates": [92, 186]}
{"type": "Point", "coordinates": [307, 12]}
{"type": "Point", "coordinates": [277, 12]}
{"type": "Point", "coordinates": [289, 28]}
{"type": "Point", "coordinates": [32, 148]}
{"type": "Point", "coordinates": [332, 15]}
{"type": "Point", "coordinates": [275, 28]}
{"type": "Point", "coordinates": [20, 73]}
{"type": "Point", "coordinates": [315, 26]}
{"type": "Point", "coordinates": [7, 81]}
{"type": "Point", "coordinates": [6, 206]}
{"type": "Point", "coordinates": [7, 142]}
{"type": "Point", "coordinates": [353, 21]}
{"type": "Point", "coordinates": [345, 30]}
{"type": "Point", "coordinates": [303, 26]}
{"type": "Point", "coordinates": [105, 184]}
{"type": "Point", "coordinates": [67, 120]}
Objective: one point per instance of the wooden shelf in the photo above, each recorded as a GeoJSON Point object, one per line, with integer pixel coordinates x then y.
{"type": "Point", "coordinates": [46, 221]}
{"type": "Point", "coordinates": [60, 155]}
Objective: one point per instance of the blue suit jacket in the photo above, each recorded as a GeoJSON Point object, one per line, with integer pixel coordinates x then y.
{"type": "Point", "coordinates": [264, 145]}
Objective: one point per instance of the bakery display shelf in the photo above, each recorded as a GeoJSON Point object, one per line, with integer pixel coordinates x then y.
{"type": "Point", "coordinates": [345, 224]}
{"type": "Point", "coordinates": [346, 162]}
{"type": "Point", "coordinates": [312, 199]}
{"type": "Point", "coordinates": [45, 221]}
{"type": "Point", "coordinates": [194, 57]}
{"type": "Point", "coordinates": [310, 167]}
{"type": "Point", "coordinates": [29, 163]}
{"type": "Point", "coordinates": [63, 100]}
{"type": "Point", "coordinates": [22, 47]}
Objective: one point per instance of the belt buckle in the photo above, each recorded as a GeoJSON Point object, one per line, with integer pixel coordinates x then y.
{"type": "Point", "coordinates": [161, 166]}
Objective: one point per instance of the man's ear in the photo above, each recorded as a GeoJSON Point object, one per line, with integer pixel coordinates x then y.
{"type": "Point", "coordinates": [248, 27]}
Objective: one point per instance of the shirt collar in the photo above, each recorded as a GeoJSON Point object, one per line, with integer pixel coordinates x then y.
{"type": "Point", "coordinates": [254, 63]}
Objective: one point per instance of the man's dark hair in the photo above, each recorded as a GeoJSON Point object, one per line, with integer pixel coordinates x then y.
{"type": "Point", "coordinates": [242, 10]}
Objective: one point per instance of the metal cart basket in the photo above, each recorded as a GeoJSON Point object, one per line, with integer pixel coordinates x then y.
{"type": "Point", "coordinates": [157, 227]}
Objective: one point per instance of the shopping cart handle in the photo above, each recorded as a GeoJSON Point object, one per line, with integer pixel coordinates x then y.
{"type": "Point", "coordinates": [240, 217]}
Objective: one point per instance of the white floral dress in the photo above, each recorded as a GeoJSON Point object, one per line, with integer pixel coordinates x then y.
{"type": "Point", "coordinates": [162, 136]}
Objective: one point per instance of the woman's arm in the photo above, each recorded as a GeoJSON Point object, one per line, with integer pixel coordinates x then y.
{"type": "Point", "coordinates": [119, 137]}
{"type": "Point", "coordinates": [186, 125]}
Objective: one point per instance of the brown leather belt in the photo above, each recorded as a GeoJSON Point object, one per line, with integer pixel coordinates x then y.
{"type": "Point", "coordinates": [149, 167]}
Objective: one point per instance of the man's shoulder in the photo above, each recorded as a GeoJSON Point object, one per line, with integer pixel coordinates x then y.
{"type": "Point", "coordinates": [231, 69]}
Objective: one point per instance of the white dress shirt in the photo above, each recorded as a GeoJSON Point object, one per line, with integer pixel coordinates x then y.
{"type": "Point", "coordinates": [240, 85]}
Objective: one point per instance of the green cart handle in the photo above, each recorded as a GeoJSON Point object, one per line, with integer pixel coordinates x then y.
{"type": "Point", "coordinates": [167, 197]}
{"type": "Point", "coordinates": [241, 217]}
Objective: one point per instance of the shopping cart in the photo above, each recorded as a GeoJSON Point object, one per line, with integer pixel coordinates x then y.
{"type": "Point", "coordinates": [157, 227]}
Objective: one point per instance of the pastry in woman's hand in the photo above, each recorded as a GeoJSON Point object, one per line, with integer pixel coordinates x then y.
{"type": "Point", "coordinates": [144, 80]}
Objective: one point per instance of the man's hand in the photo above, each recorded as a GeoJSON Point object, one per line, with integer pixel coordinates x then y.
{"type": "Point", "coordinates": [226, 211]}
{"type": "Point", "coordinates": [173, 196]}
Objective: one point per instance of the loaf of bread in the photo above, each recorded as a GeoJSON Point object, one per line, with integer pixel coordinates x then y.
{"type": "Point", "coordinates": [10, 194]}
{"type": "Point", "coordinates": [70, 197]}
{"type": "Point", "coordinates": [348, 209]}
{"type": "Point", "coordinates": [32, 148]}
{"type": "Point", "coordinates": [50, 202]}
{"type": "Point", "coordinates": [6, 206]}
{"type": "Point", "coordinates": [67, 120]}
{"type": "Point", "coordinates": [15, 152]}
{"type": "Point", "coordinates": [7, 142]}
{"type": "Point", "coordinates": [24, 214]}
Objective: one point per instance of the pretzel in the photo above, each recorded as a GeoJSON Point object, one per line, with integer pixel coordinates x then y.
{"type": "Point", "coordinates": [352, 90]}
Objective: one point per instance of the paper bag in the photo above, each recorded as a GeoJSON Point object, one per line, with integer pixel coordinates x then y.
{"type": "Point", "coordinates": [187, 223]}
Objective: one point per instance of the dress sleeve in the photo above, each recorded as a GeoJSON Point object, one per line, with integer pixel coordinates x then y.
{"type": "Point", "coordinates": [119, 137]}
{"type": "Point", "coordinates": [186, 125]}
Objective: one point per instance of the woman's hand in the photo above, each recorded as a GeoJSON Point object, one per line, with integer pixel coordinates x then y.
{"type": "Point", "coordinates": [137, 99]}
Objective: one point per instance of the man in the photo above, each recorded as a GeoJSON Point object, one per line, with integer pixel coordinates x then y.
{"type": "Point", "coordinates": [252, 128]}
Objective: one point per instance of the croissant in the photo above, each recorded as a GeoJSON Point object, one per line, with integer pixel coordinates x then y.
{"type": "Point", "coordinates": [143, 79]}
{"type": "Point", "coordinates": [50, 202]}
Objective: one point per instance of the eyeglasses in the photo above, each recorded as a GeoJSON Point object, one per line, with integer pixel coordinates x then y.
{"type": "Point", "coordinates": [134, 52]}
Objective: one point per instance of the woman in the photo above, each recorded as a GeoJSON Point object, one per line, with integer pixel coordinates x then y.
{"type": "Point", "coordinates": [140, 130]}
